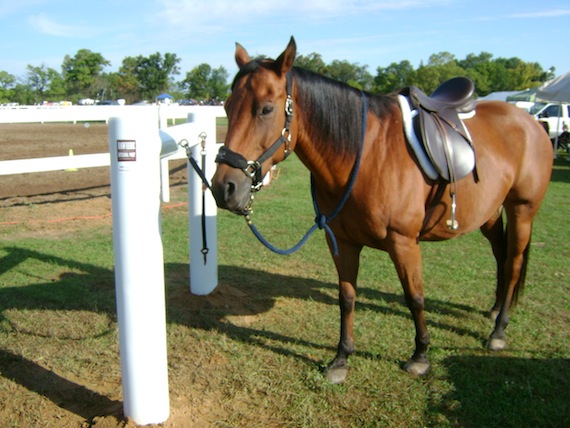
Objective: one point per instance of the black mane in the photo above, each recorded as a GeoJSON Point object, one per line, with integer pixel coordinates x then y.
{"type": "Point", "coordinates": [334, 110]}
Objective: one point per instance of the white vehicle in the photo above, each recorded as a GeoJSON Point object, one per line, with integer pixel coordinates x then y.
{"type": "Point", "coordinates": [553, 116]}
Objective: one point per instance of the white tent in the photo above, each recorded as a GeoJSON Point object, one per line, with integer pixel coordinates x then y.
{"type": "Point", "coordinates": [557, 90]}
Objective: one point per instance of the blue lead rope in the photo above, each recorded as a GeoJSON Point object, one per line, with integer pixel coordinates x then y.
{"type": "Point", "coordinates": [322, 220]}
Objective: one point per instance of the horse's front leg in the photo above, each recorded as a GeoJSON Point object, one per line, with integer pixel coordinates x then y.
{"type": "Point", "coordinates": [346, 263]}
{"type": "Point", "coordinates": [406, 255]}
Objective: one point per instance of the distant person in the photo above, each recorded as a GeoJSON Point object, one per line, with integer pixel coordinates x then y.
{"type": "Point", "coordinates": [564, 139]}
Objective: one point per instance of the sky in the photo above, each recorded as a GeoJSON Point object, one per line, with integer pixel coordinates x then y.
{"type": "Point", "coordinates": [373, 33]}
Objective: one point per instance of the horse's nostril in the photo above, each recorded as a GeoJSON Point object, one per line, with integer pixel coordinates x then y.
{"type": "Point", "coordinates": [230, 189]}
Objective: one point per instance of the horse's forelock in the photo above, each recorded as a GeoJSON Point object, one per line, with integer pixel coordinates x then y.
{"type": "Point", "coordinates": [250, 67]}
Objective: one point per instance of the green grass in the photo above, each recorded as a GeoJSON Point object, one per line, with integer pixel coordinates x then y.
{"type": "Point", "coordinates": [252, 353]}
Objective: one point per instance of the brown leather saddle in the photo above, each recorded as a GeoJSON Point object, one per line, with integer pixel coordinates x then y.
{"type": "Point", "coordinates": [440, 129]}
{"type": "Point", "coordinates": [436, 132]}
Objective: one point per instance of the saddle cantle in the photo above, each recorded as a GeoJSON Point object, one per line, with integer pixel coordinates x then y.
{"type": "Point", "coordinates": [457, 93]}
{"type": "Point", "coordinates": [435, 128]}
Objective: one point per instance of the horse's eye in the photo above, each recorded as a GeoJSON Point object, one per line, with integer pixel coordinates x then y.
{"type": "Point", "coordinates": [266, 110]}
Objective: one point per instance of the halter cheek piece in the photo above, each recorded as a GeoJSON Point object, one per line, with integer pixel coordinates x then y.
{"type": "Point", "coordinates": [252, 169]}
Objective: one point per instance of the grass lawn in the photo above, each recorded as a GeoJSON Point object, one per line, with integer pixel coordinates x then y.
{"type": "Point", "coordinates": [252, 353]}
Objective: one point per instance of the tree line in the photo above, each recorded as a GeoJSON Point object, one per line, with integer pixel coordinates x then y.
{"type": "Point", "coordinates": [140, 78]}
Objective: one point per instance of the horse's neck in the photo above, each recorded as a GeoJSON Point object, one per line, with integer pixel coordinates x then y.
{"type": "Point", "coordinates": [329, 166]}
{"type": "Point", "coordinates": [330, 171]}
{"type": "Point", "coordinates": [384, 141]}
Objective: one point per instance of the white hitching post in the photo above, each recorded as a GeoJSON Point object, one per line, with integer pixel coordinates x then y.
{"type": "Point", "coordinates": [135, 147]}
{"type": "Point", "coordinates": [203, 276]}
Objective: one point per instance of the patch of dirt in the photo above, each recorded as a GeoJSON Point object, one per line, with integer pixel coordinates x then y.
{"type": "Point", "coordinates": [51, 201]}
{"type": "Point", "coordinates": [56, 203]}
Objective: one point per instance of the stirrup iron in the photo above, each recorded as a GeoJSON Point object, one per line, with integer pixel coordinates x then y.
{"type": "Point", "coordinates": [452, 224]}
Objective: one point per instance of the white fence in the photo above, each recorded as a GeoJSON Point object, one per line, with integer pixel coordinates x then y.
{"type": "Point", "coordinates": [45, 114]}
{"type": "Point", "coordinates": [32, 114]}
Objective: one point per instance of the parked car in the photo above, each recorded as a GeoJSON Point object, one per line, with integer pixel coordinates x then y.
{"type": "Point", "coordinates": [190, 102]}
{"type": "Point", "coordinates": [553, 117]}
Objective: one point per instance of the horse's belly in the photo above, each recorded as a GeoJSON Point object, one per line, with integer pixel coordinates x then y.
{"type": "Point", "coordinates": [474, 207]}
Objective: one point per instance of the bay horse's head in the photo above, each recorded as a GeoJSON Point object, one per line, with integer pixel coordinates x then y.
{"type": "Point", "coordinates": [260, 129]}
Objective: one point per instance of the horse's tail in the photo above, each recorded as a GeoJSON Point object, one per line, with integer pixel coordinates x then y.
{"type": "Point", "coordinates": [519, 286]}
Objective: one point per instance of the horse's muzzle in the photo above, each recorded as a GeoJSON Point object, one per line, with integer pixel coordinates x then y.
{"type": "Point", "coordinates": [231, 189]}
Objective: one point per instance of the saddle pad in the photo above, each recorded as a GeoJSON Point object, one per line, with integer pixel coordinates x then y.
{"type": "Point", "coordinates": [417, 148]}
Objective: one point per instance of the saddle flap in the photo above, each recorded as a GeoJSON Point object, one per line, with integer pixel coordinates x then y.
{"type": "Point", "coordinates": [449, 151]}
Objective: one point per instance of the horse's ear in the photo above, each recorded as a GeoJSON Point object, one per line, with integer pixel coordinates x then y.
{"type": "Point", "coordinates": [285, 61]}
{"type": "Point", "coordinates": [242, 57]}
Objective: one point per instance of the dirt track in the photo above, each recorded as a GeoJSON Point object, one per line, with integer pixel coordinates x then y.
{"type": "Point", "coordinates": [27, 141]}
{"type": "Point", "coordinates": [59, 194]}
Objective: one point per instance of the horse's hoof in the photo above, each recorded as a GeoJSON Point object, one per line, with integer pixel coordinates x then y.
{"type": "Point", "coordinates": [336, 375]}
{"type": "Point", "coordinates": [493, 314]}
{"type": "Point", "coordinates": [417, 368]}
{"type": "Point", "coordinates": [495, 344]}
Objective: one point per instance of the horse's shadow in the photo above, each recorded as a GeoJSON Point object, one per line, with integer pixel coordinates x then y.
{"type": "Point", "coordinates": [561, 170]}
{"type": "Point", "coordinates": [242, 291]}
{"type": "Point", "coordinates": [84, 287]}
{"type": "Point", "coordinates": [505, 391]}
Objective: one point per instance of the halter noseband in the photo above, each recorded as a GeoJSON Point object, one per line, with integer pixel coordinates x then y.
{"type": "Point", "coordinates": [252, 169]}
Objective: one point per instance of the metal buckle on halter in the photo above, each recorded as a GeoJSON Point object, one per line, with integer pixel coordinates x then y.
{"type": "Point", "coordinates": [286, 134]}
{"type": "Point", "coordinates": [251, 169]}
{"type": "Point", "coordinates": [289, 106]}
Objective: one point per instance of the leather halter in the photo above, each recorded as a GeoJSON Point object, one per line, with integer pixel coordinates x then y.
{"type": "Point", "coordinates": [253, 168]}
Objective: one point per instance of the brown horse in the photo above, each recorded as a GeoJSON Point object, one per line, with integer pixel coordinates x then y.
{"type": "Point", "coordinates": [389, 200]}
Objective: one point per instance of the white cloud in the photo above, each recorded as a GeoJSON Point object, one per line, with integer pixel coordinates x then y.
{"type": "Point", "coordinates": [11, 7]}
{"type": "Point", "coordinates": [551, 13]}
{"type": "Point", "coordinates": [198, 13]}
{"type": "Point", "coordinates": [42, 24]}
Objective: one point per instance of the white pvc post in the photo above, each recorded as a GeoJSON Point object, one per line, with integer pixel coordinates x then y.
{"type": "Point", "coordinates": [203, 272]}
{"type": "Point", "coordinates": [203, 275]}
{"type": "Point", "coordinates": [135, 147]}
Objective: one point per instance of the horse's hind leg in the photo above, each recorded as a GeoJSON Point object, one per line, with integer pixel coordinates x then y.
{"type": "Point", "coordinates": [494, 231]}
{"type": "Point", "coordinates": [519, 229]}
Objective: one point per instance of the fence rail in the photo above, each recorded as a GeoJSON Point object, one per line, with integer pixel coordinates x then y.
{"type": "Point", "coordinates": [33, 114]}
{"type": "Point", "coordinates": [56, 163]}
{"type": "Point", "coordinates": [46, 114]}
